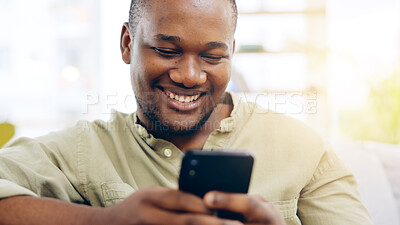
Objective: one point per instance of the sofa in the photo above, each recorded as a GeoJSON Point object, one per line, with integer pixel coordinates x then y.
{"type": "Point", "coordinates": [376, 167]}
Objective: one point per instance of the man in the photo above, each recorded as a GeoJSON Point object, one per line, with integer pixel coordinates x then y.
{"type": "Point", "coordinates": [180, 57]}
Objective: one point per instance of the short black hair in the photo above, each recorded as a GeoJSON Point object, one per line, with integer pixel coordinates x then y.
{"type": "Point", "coordinates": [137, 10]}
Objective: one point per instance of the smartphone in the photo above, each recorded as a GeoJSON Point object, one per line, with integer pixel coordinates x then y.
{"type": "Point", "coordinates": [204, 171]}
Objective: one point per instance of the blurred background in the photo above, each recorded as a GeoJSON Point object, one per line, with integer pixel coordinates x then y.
{"type": "Point", "coordinates": [331, 63]}
{"type": "Point", "coordinates": [334, 64]}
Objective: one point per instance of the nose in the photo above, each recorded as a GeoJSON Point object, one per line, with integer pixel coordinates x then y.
{"type": "Point", "coordinates": [188, 72]}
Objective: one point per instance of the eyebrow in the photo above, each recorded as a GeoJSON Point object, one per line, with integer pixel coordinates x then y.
{"type": "Point", "coordinates": [213, 44]}
{"type": "Point", "coordinates": [165, 37]}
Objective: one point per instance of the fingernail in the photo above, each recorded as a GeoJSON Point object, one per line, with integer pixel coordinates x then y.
{"type": "Point", "coordinates": [210, 198]}
{"type": "Point", "coordinates": [231, 222]}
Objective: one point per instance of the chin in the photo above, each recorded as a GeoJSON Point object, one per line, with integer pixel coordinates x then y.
{"type": "Point", "coordinates": [178, 127]}
{"type": "Point", "coordinates": [182, 127]}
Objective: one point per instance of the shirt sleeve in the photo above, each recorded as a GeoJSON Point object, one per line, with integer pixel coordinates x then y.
{"type": "Point", "coordinates": [8, 189]}
{"type": "Point", "coordinates": [331, 197]}
{"type": "Point", "coordinates": [36, 167]}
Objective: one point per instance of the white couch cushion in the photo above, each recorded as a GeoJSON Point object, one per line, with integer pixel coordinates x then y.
{"type": "Point", "coordinates": [389, 156]}
{"type": "Point", "coordinates": [375, 190]}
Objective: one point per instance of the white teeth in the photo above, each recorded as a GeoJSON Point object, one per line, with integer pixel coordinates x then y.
{"type": "Point", "coordinates": [184, 99]}
{"type": "Point", "coordinates": [187, 99]}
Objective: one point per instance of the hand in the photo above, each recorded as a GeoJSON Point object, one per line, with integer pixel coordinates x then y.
{"type": "Point", "coordinates": [158, 205]}
{"type": "Point", "coordinates": [255, 209]}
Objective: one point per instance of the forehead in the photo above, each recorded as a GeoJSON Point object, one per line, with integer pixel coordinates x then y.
{"type": "Point", "coordinates": [205, 17]}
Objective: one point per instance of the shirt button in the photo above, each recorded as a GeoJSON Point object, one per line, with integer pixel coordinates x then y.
{"type": "Point", "coordinates": [167, 152]}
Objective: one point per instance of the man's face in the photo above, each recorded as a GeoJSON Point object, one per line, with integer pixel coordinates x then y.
{"type": "Point", "coordinates": [180, 61]}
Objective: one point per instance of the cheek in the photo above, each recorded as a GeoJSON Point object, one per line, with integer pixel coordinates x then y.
{"type": "Point", "coordinates": [219, 77]}
{"type": "Point", "coordinates": [146, 70]}
{"type": "Point", "coordinates": [155, 68]}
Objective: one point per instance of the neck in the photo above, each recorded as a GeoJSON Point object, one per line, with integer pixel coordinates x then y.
{"type": "Point", "coordinates": [196, 140]}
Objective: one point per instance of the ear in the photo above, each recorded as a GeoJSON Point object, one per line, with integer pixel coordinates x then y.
{"type": "Point", "coordinates": [126, 44]}
{"type": "Point", "coordinates": [234, 47]}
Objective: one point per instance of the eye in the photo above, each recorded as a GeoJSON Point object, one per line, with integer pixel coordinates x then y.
{"type": "Point", "coordinates": [165, 52]}
{"type": "Point", "coordinates": [212, 58]}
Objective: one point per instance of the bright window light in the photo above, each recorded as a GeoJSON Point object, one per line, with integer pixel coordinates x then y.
{"type": "Point", "coordinates": [71, 74]}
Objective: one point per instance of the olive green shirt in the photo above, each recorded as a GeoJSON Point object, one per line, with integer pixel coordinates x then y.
{"type": "Point", "coordinates": [101, 163]}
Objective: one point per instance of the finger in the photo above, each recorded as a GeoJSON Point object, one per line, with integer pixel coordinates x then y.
{"type": "Point", "coordinates": [256, 223]}
{"type": "Point", "coordinates": [253, 208]}
{"type": "Point", "coordinates": [206, 220]}
{"type": "Point", "coordinates": [240, 203]}
{"type": "Point", "coordinates": [176, 200]}
{"type": "Point", "coordinates": [160, 216]}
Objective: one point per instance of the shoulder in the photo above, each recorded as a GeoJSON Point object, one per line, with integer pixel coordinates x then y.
{"type": "Point", "coordinates": [80, 136]}
{"type": "Point", "coordinates": [106, 135]}
{"type": "Point", "coordinates": [118, 122]}
{"type": "Point", "coordinates": [276, 129]}
{"type": "Point", "coordinates": [283, 141]}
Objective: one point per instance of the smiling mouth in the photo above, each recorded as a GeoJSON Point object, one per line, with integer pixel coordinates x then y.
{"type": "Point", "coordinates": [181, 98]}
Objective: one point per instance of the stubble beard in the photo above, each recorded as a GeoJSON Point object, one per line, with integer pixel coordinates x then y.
{"type": "Point", "coordinates": [176, 128]}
